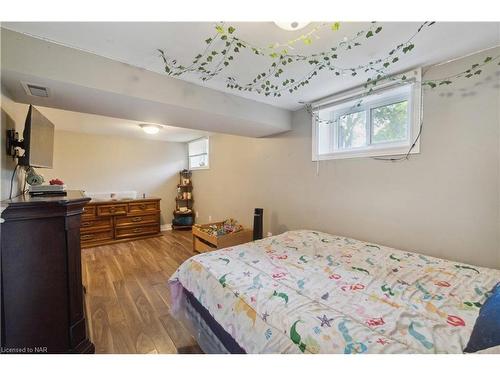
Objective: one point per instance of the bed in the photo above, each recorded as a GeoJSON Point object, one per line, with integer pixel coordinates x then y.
{"type": "Point", "coordinates": [311, 292]}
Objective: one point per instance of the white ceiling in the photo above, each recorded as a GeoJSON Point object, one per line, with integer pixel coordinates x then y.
{"type": "Point", "coordinates": [80, 81]}
{"type": "Point", "coordinates": [103, 125]}
{"type": "Point", "coordinates": [135, 43]}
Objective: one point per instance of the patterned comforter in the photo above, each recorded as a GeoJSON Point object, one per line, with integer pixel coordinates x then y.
{"type": "Point", "coordinates": [311, 292]}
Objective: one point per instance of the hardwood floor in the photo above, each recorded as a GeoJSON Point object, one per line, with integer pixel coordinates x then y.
{"type": "Point", "coordinates": [127, 297]}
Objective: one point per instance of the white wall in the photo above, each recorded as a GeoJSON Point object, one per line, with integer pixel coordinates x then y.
{"type": "Point", "coordinates": [105, 164]}
{"type": "Point", "coordinates": [443, 202]}
{"type": "Point", "coordinates": [11, 118]}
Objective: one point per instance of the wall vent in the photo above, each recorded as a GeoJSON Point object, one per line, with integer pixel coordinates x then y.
{"type": "Point", "coordinates": [35, 90]}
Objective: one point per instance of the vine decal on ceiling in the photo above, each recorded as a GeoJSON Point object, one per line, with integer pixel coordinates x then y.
{"type": "Point", "coordinates": [224, 46]}
{"type": "Point", "coordinates": [473, 71]}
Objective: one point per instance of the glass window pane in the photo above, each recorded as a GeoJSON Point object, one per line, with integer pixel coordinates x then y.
{"type": "Point", "coordinates": [324, 138]}
{"type": "Point", "coordinates": [390, 123]}
{"type": "Point", "coordinates": [198, 147]}
{"type": "Point", "coordinates": [352, 130]}
{"type": "Point", "coordinates": [198, 161]}
{"type": "Point", "coordinates": [325, 133]}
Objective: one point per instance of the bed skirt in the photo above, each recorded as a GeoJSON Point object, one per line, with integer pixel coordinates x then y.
{"type": "Point", "coordinates": [209, 334]}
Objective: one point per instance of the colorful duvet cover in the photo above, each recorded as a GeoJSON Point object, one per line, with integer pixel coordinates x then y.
{"type": "Point", "coordinates": [311, 292]}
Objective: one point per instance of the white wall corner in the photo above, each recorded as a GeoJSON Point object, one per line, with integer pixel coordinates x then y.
{"type": "Point", "coordinates": [166, 227]}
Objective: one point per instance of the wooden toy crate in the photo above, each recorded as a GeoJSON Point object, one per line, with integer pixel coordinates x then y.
{"type": "Point", "coordinates": [203, 242]}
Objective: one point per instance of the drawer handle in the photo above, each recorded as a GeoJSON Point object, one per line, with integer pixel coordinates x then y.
{"type": "Point", "coordinates": [136, 219]}
{"type": "Point", "coordinates": [86, 224]}
{"type": "Point", "coordinates": [87, 237]}
{"type": "Point", "coordinates": [142, 206]}
{"type": "Point", "coordinates": [112, 209]}
{"type": "Point", "coordinates": [137, 230]}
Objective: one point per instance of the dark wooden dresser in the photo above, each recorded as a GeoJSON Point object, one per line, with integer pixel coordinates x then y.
{"type": "Point", "coordinates": [42, 292]}
{"type": "Point", "coordinates": [109, 221]}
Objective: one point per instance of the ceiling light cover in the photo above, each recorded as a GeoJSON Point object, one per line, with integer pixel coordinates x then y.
{"type": "Point", "coordinates": [150, 129]}
{"type": "Point", "coordinates": [291, 26]}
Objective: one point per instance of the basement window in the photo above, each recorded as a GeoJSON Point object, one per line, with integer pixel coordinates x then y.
{"type": "Point", "coordinates": [384, 122]}
{"type": "Point", "coordinates": [198, 154]}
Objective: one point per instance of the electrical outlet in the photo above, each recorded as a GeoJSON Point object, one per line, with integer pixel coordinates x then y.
{"type": "Point", "coordinates": [197, 215]}
{"type": "Point", "coordinates": [269, 234]}
{"type": "Point", "coordinates": [209, 218]}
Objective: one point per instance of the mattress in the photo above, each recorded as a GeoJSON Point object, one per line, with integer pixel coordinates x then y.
{"type": "Point", "coordinates": [312, 292]}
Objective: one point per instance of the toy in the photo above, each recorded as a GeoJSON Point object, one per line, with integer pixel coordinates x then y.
{"type": "Point", "coordinates": [56, 181]}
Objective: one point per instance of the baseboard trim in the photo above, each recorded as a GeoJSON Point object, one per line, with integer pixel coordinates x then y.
{"type": "Point", "coordinates": [166, 227]}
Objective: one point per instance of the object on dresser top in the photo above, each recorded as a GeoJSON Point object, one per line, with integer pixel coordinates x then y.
{"type": "Point", "coordinates": [33, 178]}
{"type": "Point", "coordinates": [127, 194]}
{"type": "Point", "coordinates": [40, 190]}
{"type": "Point", "coordinates": [107, 221]}
{"type": "Point", "coordinates": [56, 181]}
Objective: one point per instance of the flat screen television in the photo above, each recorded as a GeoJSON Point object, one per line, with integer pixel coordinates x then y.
{"type": "Point", "coordinates": [38, 140]}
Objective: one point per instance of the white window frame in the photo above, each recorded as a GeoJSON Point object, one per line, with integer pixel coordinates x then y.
{"type": "Point", "coordinates": [342, 104]}
{"type": "Point", "coordinates": [207, 153]}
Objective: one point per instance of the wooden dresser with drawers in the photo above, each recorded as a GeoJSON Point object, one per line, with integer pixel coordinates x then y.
{"type": "Point", "coordinates": [108, 221]}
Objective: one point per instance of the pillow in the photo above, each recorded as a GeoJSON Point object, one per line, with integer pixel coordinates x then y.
{"type": "Point", "coordinates": [486, 331]}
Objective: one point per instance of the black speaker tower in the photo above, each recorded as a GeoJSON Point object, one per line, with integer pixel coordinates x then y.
{"type": "Point", "coordinates": [258, 217]}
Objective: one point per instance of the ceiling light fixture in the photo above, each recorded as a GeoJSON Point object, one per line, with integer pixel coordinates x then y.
{"type": "Point", "coordinates": [291, 26]}
{"type": "Point", "coordinates": [150, 129]}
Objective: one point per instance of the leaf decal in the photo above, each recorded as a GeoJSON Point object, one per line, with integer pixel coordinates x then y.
{"type": "Point", "coordinates": [466, 268]}
{"type": "Point", "coordinates": [473, 304]}
{"type": "Point", "coordinates": [421, 338]}
{"type": "Point", "coordinates": [361, 270]}
{"type": "Point", "coordinates": [387, 289]}
{"type": "Point", "coordinates": [335, 26]}
{"type": "Point", "coordinates": [296, 338]}
{"type": "Point", "coordinates": [223, 280]}
{"type": "Point", "coordinates": [268, 333]}
{"type": "Point", "coordinates": [394, 258]}
{"type": "Point", "coordinates": [329, 258]}
{"type": "Point", "coordinates": [282, 295]}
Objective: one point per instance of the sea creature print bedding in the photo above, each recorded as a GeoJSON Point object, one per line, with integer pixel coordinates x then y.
{"type": "Point", "coordinates": [311, 292]}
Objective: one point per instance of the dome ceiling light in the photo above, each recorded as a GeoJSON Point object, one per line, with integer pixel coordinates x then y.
{"type": "Point", "coordinates": [150, 129]}
{"type": "Point", "coordinates": [291, 26]}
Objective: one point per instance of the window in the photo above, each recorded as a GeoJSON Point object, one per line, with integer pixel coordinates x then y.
{"type": "Point", "coordinates": [198, 153]}
{"type": "Point", "coordinates": [382, 123]}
